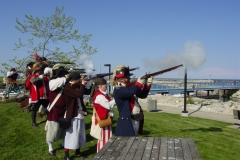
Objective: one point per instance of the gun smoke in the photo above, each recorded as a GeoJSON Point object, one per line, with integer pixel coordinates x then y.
{"type": "Point", "coordinates": [192, 56]}
{"type": "Point", "coordinates": [87, 63]}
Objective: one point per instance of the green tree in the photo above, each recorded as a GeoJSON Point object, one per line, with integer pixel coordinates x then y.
{"type": "Point", "coordinates": [46, 35]}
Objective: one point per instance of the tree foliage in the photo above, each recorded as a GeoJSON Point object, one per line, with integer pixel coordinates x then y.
{"type": "Point", "coordinates": [47, 35]}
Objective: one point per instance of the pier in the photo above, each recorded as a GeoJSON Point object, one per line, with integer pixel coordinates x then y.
{"type": "Point", "coordinates": [176, 87]}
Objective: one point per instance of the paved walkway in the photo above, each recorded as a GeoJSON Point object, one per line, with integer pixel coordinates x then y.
{"type": "Point", "coordinates": [199, 113]}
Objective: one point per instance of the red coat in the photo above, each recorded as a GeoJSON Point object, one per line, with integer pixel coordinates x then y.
{"type": "Point", "coordinates": [39, 89]}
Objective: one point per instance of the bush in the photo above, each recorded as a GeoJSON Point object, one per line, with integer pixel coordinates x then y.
{"type": "Point", "coordinates": [190, 101]}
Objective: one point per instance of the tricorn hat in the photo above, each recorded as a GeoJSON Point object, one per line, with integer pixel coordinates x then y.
{"type": "Point", "coordinates": [121, 71]}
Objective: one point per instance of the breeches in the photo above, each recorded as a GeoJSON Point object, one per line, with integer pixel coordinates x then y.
{"type": "Point", "coordinates": [43, 102]}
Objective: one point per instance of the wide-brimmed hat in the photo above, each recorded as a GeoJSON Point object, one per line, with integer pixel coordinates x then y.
{"type": "Point", "coordinates": [56, 66]}
{"type": "Point", "coordinates": [58, 71]}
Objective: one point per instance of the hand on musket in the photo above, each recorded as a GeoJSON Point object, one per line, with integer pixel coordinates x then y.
{"type": "Point", "coordinates": [84, 79]}
{"type": "Point", "coordinates": [148, 78]}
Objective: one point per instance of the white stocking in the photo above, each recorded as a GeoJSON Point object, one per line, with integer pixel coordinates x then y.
{"type": "Point", "coordinates": [50, 146]}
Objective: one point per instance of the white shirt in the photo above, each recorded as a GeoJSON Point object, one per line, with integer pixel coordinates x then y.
{"type": "Point", "coordinates": [56, 83]}
{"type": "Point", "coordinates": [101, 99]}
{"type": "Point", "coordinates": [9, 73]}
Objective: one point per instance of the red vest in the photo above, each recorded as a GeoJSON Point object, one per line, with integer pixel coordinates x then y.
{"type": "Point", "coordinates": [101, 111]}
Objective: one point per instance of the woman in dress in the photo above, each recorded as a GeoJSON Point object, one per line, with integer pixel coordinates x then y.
{"type": "Point", "coordinates": [103, 104]}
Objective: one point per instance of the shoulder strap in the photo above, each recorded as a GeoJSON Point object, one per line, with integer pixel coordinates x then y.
{"type": "Point", "coordinates": [55, 100]}
{"type": "Point", "coordinates": [94, 111]}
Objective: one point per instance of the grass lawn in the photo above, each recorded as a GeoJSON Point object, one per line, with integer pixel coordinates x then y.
{"type": "Point", "coordinates": [20, 141]}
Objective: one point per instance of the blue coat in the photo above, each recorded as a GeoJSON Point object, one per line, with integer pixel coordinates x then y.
{"type": "Point", "coordinates": [122, 98]}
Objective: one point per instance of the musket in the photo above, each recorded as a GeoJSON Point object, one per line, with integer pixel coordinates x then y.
{"type": "Point", "coordinates": [52, 63]}
{"type": "Point", "coordinates": [101, 75]}
{"type": "Point", "coordinates": [76, 70]}
{"type": "Point", "coordinates": [160, 72]}
{"type": "Point", "coordinates": [132, 69]}
{"type": "Point", "coordinates": [80, 72]}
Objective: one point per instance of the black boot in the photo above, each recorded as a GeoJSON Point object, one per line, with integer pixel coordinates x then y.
{"type": "Point", "coordinates": [52, 153]}
{"type": "Point", "coordinates": [79, 155]}
{"type": "Point", "coordinates": [34, 125]}
{"type": "Point", "coordinates": [66, 157]}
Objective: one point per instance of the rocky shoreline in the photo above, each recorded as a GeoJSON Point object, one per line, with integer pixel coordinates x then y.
{"type": "Point", "coordinates": [207, 105]}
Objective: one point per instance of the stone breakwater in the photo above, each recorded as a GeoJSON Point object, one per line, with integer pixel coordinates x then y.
{"type": "Point", "coordinates": [207, 105]}
{"type": "Point", "coordinates": [160, 81]}
{"type": "Point", "coordinates": [175, 83]}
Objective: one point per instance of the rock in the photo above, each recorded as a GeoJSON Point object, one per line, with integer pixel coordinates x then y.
{"type": "Point", "coordinates": [236, 95]}
{"type": "Point", "coordinates": [208, 105]}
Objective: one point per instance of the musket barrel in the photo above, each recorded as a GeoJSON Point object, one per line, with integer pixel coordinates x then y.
{"type": "Point", "coordinates": [161, 72]}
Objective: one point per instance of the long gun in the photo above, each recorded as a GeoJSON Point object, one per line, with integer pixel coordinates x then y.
{"type": "Point", "coordinates": [81, 71]}
{"type": "Point", "coordinates": [52, 63]}
{"type": "Point", "coordinates": [160, 72]}
{"type": "Point", "coordinates": [101, 75]}
{"type": "Point", "coordinates": [132, 69]}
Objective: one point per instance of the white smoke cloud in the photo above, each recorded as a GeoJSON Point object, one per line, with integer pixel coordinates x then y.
{"type": "Point", "coordinates": [87, 63]}
{"type": "Point", "coordinates": [192, 56]}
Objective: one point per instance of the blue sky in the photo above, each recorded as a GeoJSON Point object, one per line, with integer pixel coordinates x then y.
{"type": "Point", "coordinates": [204, 35]}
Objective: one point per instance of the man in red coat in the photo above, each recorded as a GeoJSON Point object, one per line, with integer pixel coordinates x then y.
{"type": "Point", "coordinates": [38, 87]}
